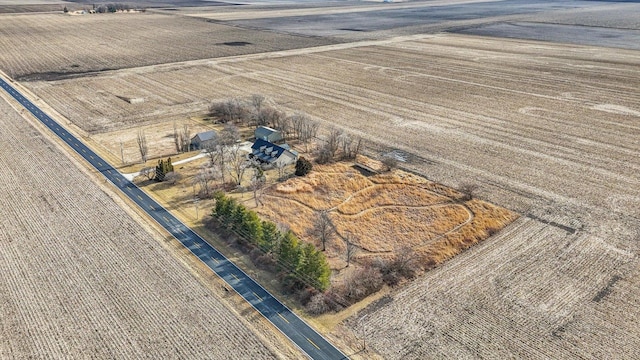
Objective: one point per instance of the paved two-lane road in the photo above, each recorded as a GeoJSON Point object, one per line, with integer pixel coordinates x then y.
{"type": "Point", "coordinates": [307, 339]}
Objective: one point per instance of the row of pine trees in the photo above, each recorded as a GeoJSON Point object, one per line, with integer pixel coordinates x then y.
{"type": "Point", "coordinates": [301, 265]}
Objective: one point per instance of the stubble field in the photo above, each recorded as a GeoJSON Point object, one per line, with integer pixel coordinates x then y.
{"type": "Point", "coordinates": [81, 278]}
{"type": "Point", "coordinates": [549, 130]}
{"type": "Point", "coordinates": [59, 45]}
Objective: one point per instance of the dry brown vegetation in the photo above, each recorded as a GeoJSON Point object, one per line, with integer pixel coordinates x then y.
{"type": "Point", "coordinates": [383, 213]}
{"type": "Point", "coordinates": [80, 277]}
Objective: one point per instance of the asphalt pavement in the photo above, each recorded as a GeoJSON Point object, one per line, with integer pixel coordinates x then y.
{"type": "Point", "coordinates": [298, 331]}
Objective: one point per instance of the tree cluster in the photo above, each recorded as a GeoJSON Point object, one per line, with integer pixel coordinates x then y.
{"type": "Point", "coordinates": [299, 265]}
{"type": "Point", "coordinates": [255, 110]}
{"type": "Point", "coordinates": [181, 138]}
{"type": "Point", "coordinates": [338, 144]}
{"type": "Point", "coordinates": [226, 156]}
{"type": "Point", "coordinates": [163, 169]}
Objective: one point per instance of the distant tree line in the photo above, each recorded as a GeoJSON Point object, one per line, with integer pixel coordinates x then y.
{"type": "Point", "coordinates": [110, 8]}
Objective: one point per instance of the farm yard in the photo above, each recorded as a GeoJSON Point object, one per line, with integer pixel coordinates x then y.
{"type": "Point", "coordinates": [80, 277]}
{"type": "Point", "coordinates": [547, 130]}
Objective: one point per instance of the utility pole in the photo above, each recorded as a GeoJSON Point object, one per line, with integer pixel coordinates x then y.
{"type": "Point", "coordinates": [195, 201]}
{"type": "Point", "coordinates": [364, 332]}
{"type": "Point", "coordinates": [122, 152]}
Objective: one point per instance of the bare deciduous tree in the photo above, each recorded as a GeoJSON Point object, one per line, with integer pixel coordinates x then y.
{"type": "Point", "coordinates": [185, 138]}
{"type": "Point", "coordinates": [333, 141]}
{"type": "Point", "coordinates": [176, 138]}
{"type": "Point", "coordinates": [181, 137]}
{"type": "Point", "coordinates": [405, 261]}
{"type": "Point", "coordinates": [204, 178]}
{"type": "Point", "coordinates": [230, 110]}
{"type": "Point", "coordinates": [142, 145]}
{"type": "Point", "coordinates": [237, 163]}
{"type": "Point", "coordinates": [351, 248]}
{"type": "Point", "coordinates": [327, 151]}
{"type": "Point", "coordinates": [350, 146]}
{"type": "Point", "coordinates": [172, 177]}
{"type": "Point", "coordinates": [281, 166]}
{"type": "Point", "coordinates": [257, 182]}
{"type": "Point", "coordinates": [323, 228]}
{"type": "Point", "coordinates": [282, 123]}
{"type": "Point", "coordinates": [268, 116]}
{"type": "Point", "coordinates": [309, 130]}
{"type": "Point", "coordinates": [257, 100]}
{"type": "Point", "coordinates": [468, 191]}
{"type": "Point", "coordinates": [304, 127]}
{"type": "Point", "coordinates": [220, 151]}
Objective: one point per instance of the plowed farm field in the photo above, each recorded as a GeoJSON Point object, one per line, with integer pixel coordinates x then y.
{"type": "Point", "coordinates": [59, 45]}
{"type": "Point", "coordinates": [548, 130]}
{"type": "Point", "coordinates": [81, 278]}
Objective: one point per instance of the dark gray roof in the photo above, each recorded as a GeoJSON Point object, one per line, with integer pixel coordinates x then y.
{"type": "Point", "coordinates": [261, 146]}
{"type": "Point", "coordinates": [263, 131]}
{"type": "Point", "coordinates": [205, 136]}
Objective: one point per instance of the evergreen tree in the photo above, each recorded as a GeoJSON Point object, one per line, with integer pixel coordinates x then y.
{"type": "Point", "coordinates": [270, 236]}
{"type": "Point", "coordinates": [237, 218]}
{"type": "Point", "coordinates": [221, 204]}
{"type": "Point", "coordinates": [303, 166]}
{"type": "Point", "coordinates": [313, 267]}
{"type": "Point", "coordinates": [289, 252]}
{"type": "Point", "coordinates": [169, 167]}
{"type": "Point", "coordinates": [160, 173]}
{"type": "Point", "coordinates": [252, 227]}
{"type": "Point", "coordinates": [163, 168]}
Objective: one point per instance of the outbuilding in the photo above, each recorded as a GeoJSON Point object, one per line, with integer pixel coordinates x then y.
{"type": "Point", "coordinates": [268, 134]}
{"type": "Point", "coordinates": [204, 140]}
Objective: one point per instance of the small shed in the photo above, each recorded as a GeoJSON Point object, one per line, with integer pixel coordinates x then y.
{"type": "Point", "coordinates": [271, 154]}
{"type": "Point", "coordinates": [268, 134]}
{"type": "Point", "coordinates": [204, 139]}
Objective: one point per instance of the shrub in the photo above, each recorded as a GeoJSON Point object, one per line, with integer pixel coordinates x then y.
{"type": "Point", "coordinates": [390, 162]}
{"type": "Point", "coordinates": [317, 305]}
{"type": "Point", "coordinates": [303, 166]}
{"type": "Point", "coordinates": [324, 156]}
{"type": "Point", "coordinates": [362, 283]}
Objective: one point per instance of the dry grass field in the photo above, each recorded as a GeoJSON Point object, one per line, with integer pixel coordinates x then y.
{"type": "Point", "coordinates": [79, 277]}
{"type": "Point", "coordinates": [382, 214]}
{"type": "Point", "coordinates": [548, 130]}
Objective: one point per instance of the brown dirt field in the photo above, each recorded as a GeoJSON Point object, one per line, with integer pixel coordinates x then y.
{"type": "Point", "coordinates": [80, 276]}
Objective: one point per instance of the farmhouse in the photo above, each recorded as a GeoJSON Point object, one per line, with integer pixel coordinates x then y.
{"type": "Point", "coordinates": [204, 139]}
{"type": "Point", "coordinates": [268, 134]}
{"type": "Point", "coordinates": [271, 154]}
